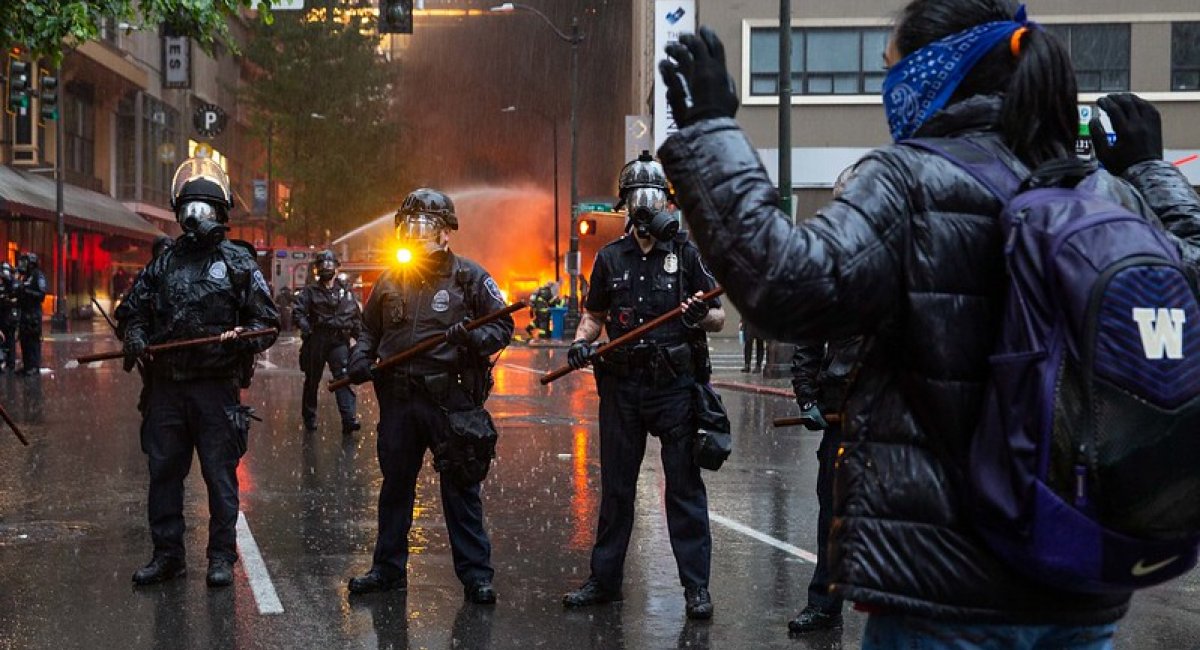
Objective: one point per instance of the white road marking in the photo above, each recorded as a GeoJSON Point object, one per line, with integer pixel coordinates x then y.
{"type": "Point", "coordinates": [763, 537]}
{"type": "Point", "coordinates": [534, 371]}
{"type": "Point", "coordinates": [256, 570]}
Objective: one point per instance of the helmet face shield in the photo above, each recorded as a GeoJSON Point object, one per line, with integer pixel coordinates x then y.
{"type": "Point", "coordinates": [197, 169]}
{"type": "Point", "coordinates": [420, 227]}
{"type": "Point", "coordinates": [650, 199]}
{"type": "Point", "coordinates": [196, 211]}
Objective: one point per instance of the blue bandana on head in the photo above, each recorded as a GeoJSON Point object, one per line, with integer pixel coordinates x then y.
{"type": "Point", "coordinates": [922, 82]}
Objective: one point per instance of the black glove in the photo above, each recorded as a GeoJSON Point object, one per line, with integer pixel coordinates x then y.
{"type": "Point", "coordinates": [458, 334]}
{"type": "Point", "coordinates": [694, 311]}
{"type": "Point", "coordinates": [580, 354]}
{"type": "Point", "coordinates": [134, 348]}
{"type": "Point", "coordinates": [1138, 127]}
{"type": "Point", "coordinates": [810, 416]}
{"type": "Point", "coordinates": [698, 84]}
{"type": "Point", "coordinates": [360, 370]}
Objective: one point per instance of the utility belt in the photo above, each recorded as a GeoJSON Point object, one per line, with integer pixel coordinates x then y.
{"type": "Point", "coordinates": [660, 364]}
{"type": "Point", "coordinates": [337, 332]}
{"type": "Point", "coordinates": [437, 387]}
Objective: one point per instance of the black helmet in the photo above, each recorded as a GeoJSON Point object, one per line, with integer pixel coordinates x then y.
{"type": "Point", "coordinates": [327, 255]}
{"type": "Point", "coordinates": [30, 258]}
{"type": "Point", "coordinates": [202, 179]}
{"type": "Point", "coordinates": [428, 202]}
{"type": "Point", "coordinates": [644, 173]}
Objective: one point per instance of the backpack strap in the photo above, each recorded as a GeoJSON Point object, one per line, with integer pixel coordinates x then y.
{"type": "Point", "coordinates": [980, 162]}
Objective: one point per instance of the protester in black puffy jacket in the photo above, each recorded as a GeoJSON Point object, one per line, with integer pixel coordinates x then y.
{"type": "Point", "coordinates": [910, 256]}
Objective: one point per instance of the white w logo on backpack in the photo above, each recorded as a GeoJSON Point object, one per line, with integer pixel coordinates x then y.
{"type": "Point", "coordinates": [1161, 330]}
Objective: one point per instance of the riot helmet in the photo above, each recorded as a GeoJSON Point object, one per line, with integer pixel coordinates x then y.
{"type": "Point", "coordinates": [327, 265]}
{"type": "Point", "coordinates": [644, 194]}
{"type": "Point", "coordinates": [27, 262]}
{"type": "Point", "coordinates": [201, 198]}
{"type": "Point", "coordinates": [423, 218]}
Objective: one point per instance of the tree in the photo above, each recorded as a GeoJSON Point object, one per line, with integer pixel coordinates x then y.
{"type": "Point", "coordinates": [324, 93]}
{"type": "Point", "coordinates": [46, 27]}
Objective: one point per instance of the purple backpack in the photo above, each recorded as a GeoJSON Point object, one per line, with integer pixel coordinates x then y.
{"type": "Point", "coordinates": [1085, 465]}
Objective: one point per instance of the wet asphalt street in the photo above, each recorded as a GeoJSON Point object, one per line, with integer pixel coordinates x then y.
{"type": "Point", "coordinates": [73, 528]}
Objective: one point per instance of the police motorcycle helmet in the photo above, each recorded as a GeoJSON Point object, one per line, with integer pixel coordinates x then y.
{"type": "Point", "coordinates": [423, 216]}
{"type": "Point", "coordinates": [201, 198]}
{"type": "Point", "coordinates": [327, 265]}
{"type": "Point", "coordinates": [645, 194]}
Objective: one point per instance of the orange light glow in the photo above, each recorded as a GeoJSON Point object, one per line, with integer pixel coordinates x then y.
{"type": "Point", "coordinates": [404, 256]}
{"type": "Point", "coordinates": [584, 227]}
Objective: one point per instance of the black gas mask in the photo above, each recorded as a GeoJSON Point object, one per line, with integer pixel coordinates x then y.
{"type": "Point", "coordinates": [648, 215]}
{"type": "Point", "coordinates": [201, 222]}
{"type": "Point", "coordinates": [327, 270]}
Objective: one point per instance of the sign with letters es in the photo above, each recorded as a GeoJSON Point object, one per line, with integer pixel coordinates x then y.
{"type": "Point", "coordinates": [177, 62]}
{"type": "Point", "coordinates": [209, 120]}
{"type": "Point", "coordinates": [672, 18]}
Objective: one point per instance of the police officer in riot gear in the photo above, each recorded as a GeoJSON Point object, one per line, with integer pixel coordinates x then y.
{"type": "Point", "coordinates": [31, 293]}
{"type": "Point", "coordinates": [201, 286]}
{"type": "Point", "coordinates": [647, 386]}
{"type": "Point", "coordinates": [435, 400]}
{"type": "Point", "coordinates": [9, 316]}
{"type": "Point", "coordinates": [328, 317]}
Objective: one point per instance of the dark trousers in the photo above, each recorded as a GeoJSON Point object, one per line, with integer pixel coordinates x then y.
{"type": "Point", "coordinates": [630, 408]}
{"type": "Point", "coordinates": [9, 346]}
{"type": "Point", "coordinates": [31, 344]}
{"type": "Point", "coordinates": [180, 417]}
{"type": "Point", "coordinates": [319, 349]}
{"type": "Point", "coordinates": [818, 587]}
{"type": "Point", "coordinates": [760, 349]}
{"type": "Point", "coordinates": [408, 425]}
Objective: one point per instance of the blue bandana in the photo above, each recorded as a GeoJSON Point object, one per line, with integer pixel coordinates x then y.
{"type": "Point", "coordinates": [921, 83]}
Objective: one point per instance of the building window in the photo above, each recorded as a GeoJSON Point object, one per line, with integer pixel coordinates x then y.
{"type": "Point", "coordinates": [824, 61]}
{"type": "Point", "coordinates": [1185, 56]}
{"type": "Point", "coordinates": [79, 127]}
{"type": "Point", "coordinates": [147, 137]}
{"type": "Point", "coordinates": [1100, 54]}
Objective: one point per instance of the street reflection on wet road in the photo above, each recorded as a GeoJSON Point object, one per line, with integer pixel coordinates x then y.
{"type": "Point", "coordinates": [73, 529]}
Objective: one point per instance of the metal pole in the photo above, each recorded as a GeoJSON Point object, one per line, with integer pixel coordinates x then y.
{"type": "Point", "coordinates": [572, 315]}
{"type": "Point", "coordinates": [58, 323]}
{"type": "Point", "coordinates": [557, 256]}
{"type": "Point", "coordinates": [785, 106]}
{"type": "Point", "coordinates": [270, 203]}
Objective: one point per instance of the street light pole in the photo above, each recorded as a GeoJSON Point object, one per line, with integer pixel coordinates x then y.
{"type": "Point", "coordinates": [58, 322]}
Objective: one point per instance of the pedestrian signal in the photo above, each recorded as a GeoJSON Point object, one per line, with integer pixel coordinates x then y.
{"type": "Point", "coordinates": [396, 16]}
{"type": "Point", "coordinates": [587, 227]}
{"type": "Point", "coordinates": [48, 96]}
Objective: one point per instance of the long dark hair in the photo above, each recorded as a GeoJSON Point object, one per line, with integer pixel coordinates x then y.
{"type": "Point", "coordinates": [1038, 118]}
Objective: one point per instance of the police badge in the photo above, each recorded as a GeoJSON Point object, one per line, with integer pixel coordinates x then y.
{"type": "Point", "coordinates": [671, 263]}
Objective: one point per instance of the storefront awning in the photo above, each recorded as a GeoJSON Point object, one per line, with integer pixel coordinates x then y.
{"type": "Point", "coordinates": [32, 195]}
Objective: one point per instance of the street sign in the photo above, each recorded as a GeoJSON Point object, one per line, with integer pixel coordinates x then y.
{"type": "Point", "coordinates": [595, 207]}
{"type": "Point", "coordinates": [209, 120]}
{"type": "Point", "coordinates": [177, 62]}
{"type": "Point", "coordinates": [287, 5]}
{"type": "Point", "coordinates": [260, 196]}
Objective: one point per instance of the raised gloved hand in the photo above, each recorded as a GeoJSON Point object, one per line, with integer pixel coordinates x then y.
{"type": "Point", "coordinates": [694, 311]}
{"type": "Point", "coordinates": [133, 348]}
{"type": "Point", "coordinates": [1138, 127]}
{"type": "Point", "coordinates": [360, 370]}
{"type": "Point", "coordinates": [458, 334]}
{"type": "Point", "coordinates": [580, 354]}
{"type": "Point", "coordinates": [698, 83]}
{"type": "Point", "coordinates": [810, 416]}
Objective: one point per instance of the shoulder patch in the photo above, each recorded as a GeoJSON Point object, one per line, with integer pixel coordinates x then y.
{"type": "Point", "coordinates": [260, 282]}
{"type": "Point", "coordinates": [218, 271]}
{"type": "Point", "coordinates": [492, 289]}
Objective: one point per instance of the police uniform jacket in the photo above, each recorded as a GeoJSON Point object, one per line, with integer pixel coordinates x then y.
{"type": "Point", "coordinates": [327, 310]}
{"type": "Point", "coordinates": [407, 307]}
{"type": "Point", "coordinates": [910, 254]}
{"type": "Point", "coordinates": [197, 291]}
{"type": "Point", "coordinates": [31, 293]}
{"type": "Point", "coordinates": [636, 287]}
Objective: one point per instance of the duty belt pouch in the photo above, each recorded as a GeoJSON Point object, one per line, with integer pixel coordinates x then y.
{"type": "Point", "coordinates": [467, 456]}
{"type": "Point", "coordinates": [239, 420]}
{"type": "Point", "coordinates": [714, 441]}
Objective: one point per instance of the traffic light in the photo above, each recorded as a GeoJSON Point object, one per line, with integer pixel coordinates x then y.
{"type": "Point", "coordinates": [587, 227]}
{"type": "Point", "coordinates": [18, 83]}
{"type": "Point", "coordinates": [48, 96]}
{"type": "Point", "coordinates": [395, 16]}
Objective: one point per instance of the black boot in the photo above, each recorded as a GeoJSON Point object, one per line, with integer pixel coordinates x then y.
{"type": "Point", "coordinates": [220, 573]}
{"type": "Point", "coordinates": [591, 593]}
{"type": "Point", "coordinates": [375, 580]}
{"type": "Point", "coordinates": [480, 593]}
{"type": "Point", "coordinates": [160, 569]}
{"type": "Point", "coordinates": [699, 603]}
{"type": "Point", "coordinates": [351, 426]}
{"type": "Point", "coordinates": [812, 619]}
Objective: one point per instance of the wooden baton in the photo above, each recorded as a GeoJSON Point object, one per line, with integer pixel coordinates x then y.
{"type": "Point", "coordinates": [13, 425]}
{"type": "Point", "coordinates": [176, 345]}
{"type": "Point", "coordinates": [429, 343]}
{"type": "Point", "coordinates": [632, 334]}
{"type": "Point", "coordinates": [832, 418]}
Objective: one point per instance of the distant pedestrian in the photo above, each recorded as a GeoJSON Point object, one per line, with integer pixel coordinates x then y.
{"type": "Point", "coordinates": [31, 293]}
{"type": "Point", "coordinates": [120, 284]}
{"type": "Point", "coordinates": [285, 299]}
{"type": "Point", "coordinates": [752, 341]}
